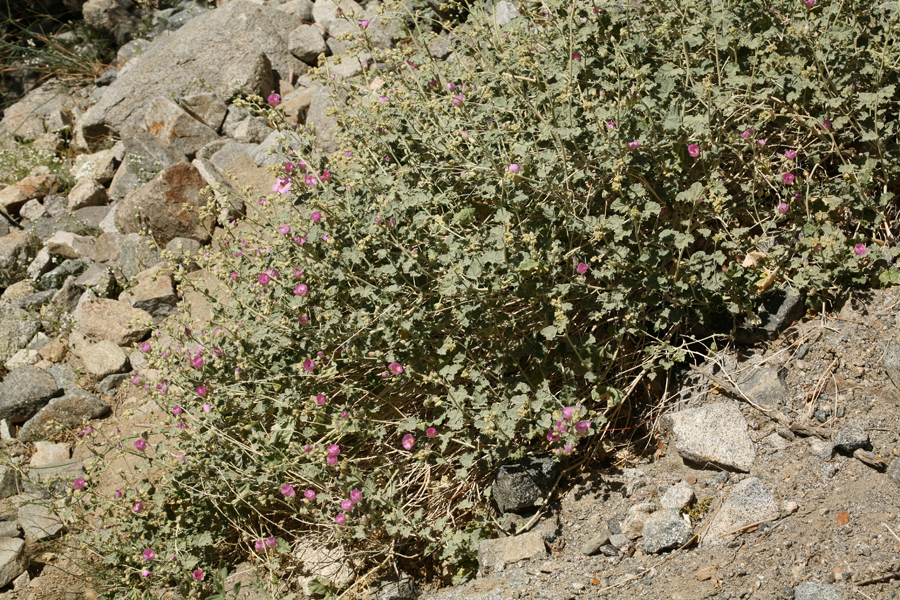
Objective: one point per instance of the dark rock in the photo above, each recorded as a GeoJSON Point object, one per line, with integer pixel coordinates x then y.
{"type": "Point", "coordinates": [110, 384]}
{"type": "Point", "coordinates": [25, 391]}
{"type": "Point", "coordinates": [137, 254]}
{"type": "Point", "coordinates": [777, 311]}
{"type": "Point", "coordinates": [522, 484]}
{"type": "Point", "coordinates": [665, 530]}
{"type": "Point", "coordinates": [55, 278]}
{"type": "Point", "coordinates": [64, 377]}
{"type": "Point", "coordinates": [766, 386]}
{"type": "Point", "coordinates": [852, 437]}
{"type": "Point", "coordinates": [17, 249]}
{"type": "Point", "coordinates": [34, 302]}
{"type": "Point", "coordinates": [66, 412]}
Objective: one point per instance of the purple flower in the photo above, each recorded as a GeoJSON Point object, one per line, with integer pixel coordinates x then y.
{"type": "Point", "coordinates": [790, 154]}
{"type": "Point", "coordinates": [271, 542]}
{"type": "Point", "coordinates": [288, 491]}
{"type": "Point", "coordinates": [581, 268]}
{"type": "Point", "coordinates": [274, 99]}
{"type": "Point", "coordinates": [458, 100]}
{"type": "Point", "coordinates": [748, 133]}
{"type": "Point", "coordinates": [197, 575]}
{"type": "Point", "coordinates": [334, 450]}
{"type": "Point", "coordinates": [356, 496]}
{"type": "Point", "coordinates": [259, 545]}
{"type": "Point", "coordinates": [310, 494]}
{"type": "Point", "coordinates": [340, 519]}
{"type": "Point", "coordinates": [860, 249]}
{"type": "Point", "coordinates": [138, 507]}
{"type": "Point", "coordinates": [782, 208]}
{"type": "Point", "coordinates": [581, 427]}
{"type": "Point", "coordinates": [694, 150]}
{"type": "Point", "coordinates": [145, 573]}
{"type": "Point", "coordinates": [409, 440]}
{"type": "Point", "coordinates": [146, 347]}
{"type": "Point", "coordinates": [300, 290]}
{"type": "Point", "coordinates": [346, 505]}
{"type": "Point", "coordinates": [395, 368]}
{"type": "Point", "coordinates": [315, 217]}
{"type": "Point", "coordinates": [363, 23]}
{"type": "Point", "coordinates": [176, 411]}
{"type": "Point", "coordinates": [431, 432]}
{"type": "Point", "coordinates": [788, 178]}
{"type": "Point", "coordinates": [284, 229]}
{"type": "Point", "coordinates": [140, 444]}
{"type": "Point", "coordinates": [78, 483]}
{"type": "Point", "coordinates": [303, 320]}
{"type": "Point", "coordinates": [148, 554]}
{"type": "Point", "coordinates": [309, 365]}
{"type": "Point", "coordinates": [634, 145]}
{"type": "Point", "coordinates": [197, 362]}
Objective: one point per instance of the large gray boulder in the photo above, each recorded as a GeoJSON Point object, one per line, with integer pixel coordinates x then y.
{"type": "Point", "coordinates": [175, 126]}
{"type": "Point", "coordinates": [13, 560]}
{"type": "Point", "coordinates": [750, 501]}
{"type": "Point", "coordinates": [159, 206]}
{"type": "Point", "coordinates": [112, 320]}
{"type": "Point", "coordinates": [16, 250]}
{"type": "Point", "coordinates": [65, 412]}
{"type": "Point", "coordinates": [145, 156]}
{"type": "Point", "coordinates": [25, 391]}
{"type": "Point", "coordinates": [715, 435]}
{"type": "Point", "coordinates": [49, 108]}
{"type": "Point", "coordinates": [230, 51]}
{"type": "Point", "coordinates": [17, 327]}
{"type": "Point", "coordinates": [524, 483]}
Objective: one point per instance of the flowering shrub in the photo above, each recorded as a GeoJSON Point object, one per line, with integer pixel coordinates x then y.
{"type": "Point", "coordinates": [506, 245]}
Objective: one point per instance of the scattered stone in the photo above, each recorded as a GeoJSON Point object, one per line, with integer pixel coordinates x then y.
{"type": "Point", "coordinates": [9, 528]}
{"type": "Point", "coordinates": [633, 525]}
{"type": "Point", "coordinates": [665, 530]}
{"type": "Point", "coordinates": [48, 108]}
{"type": "Point", "coordinates": [37, 521]}
{"type": "Point", "coordinates": [155, 294]}
{"type": "Point", "coordinates": [63, 302]}
{"type": "Point", "coordinates": [230, 205]}
{"type": "Point", "coordinates": [403, 589]}
{"type": "Point", "coordinates": [869, 459]}
{"type": "Point", "coordinates": [70, 245]}
{"type": "Point", "coordinates": [713, 435]}
{"type": "Point", "coordinates": [160, 206]}
{"type": "Point", "coordinates": [750, 501]}
{"type": "Point", "coordinates": [523, 483]}
{"type": "Point", "coordinates": [14, 196]}
{"type": "Point", "coordinates": [87, 192]}
{"type": "Point", "coordinates": [852, 437]}
{"type": "Point", "coordinates": [778, 310]}
{"type": "Point", "coordinates": [320, 105]}
{"type": "Point", "coordinates": [295, 106]}
{"type": "Point", "coordinates": [678, 496]}
{"type": "Point", "coordinates": [494, 555]}
{"type": "Point", "coordinates": [775, 441]}
{"type": "Point", "coordinates": [307, 42]}
{"type": "Point", "coordinates": [504, 12]}
{"type": "Point", "coordinates": [100, 166]}
{"type": "Point", "coordinates": [330, 563]}
{"type": "Point", "coordinates": [32, 210]}
{"type": "Point", "coordinates": [17, 291]}
{"type": "Point", "coordinates": [66, 412]}
{"type": "Point", "coordinates": [145, 157]}
{"type": "Point", "coordinates": [16, 249]}
{"type": "Point", "coordinates": [817, 591]}
{"type": "Point", "coordinates": [10, 485]}
{"type": "Point", "coordinates": [99, 279]}
{"type": "Point", "coordinates": [64, 377]}
{"type": "Point", "coordinates": [17, 327]}
{"type": "Point", "coordinates": [597, 541]}
{"type": "Point", "coordinates": [137, 254]}
{"type": "Point", "coordinates": [103, 359]}
{"type": "Point", "coordinates": [821, 449]}
{"type": "Point", "coordinates": [112, 320]}
{"type": "Point", "coordinates": [24, 392]}
{"type": "Point", "coordinates": [252, 130]}
{"type": "Point", "coordinates": [207, 108]}
{"type": "Point", "coordinates": [13, 560]}
{"type": "Point", "coordinates": [57, 277]}
{"type": "Point", "coordinates": [22, 358]}
{"type": "Point", "coordinates": [111, 383]}
{"type": "Point", "coordinates": [48, 453]}
{"type": "Point", "coordinates": [185, 251]}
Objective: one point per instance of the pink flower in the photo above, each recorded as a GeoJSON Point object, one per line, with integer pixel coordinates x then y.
{"type": "Point", "coordinates": [300, 290]}
{"type": "Point", "coordinates": [288, 491]}
{"type": "Point", "coordinates": [282, 185]}
{"type": "Point", "coordinates": [395, 368]}
{"type": "Point", "coordinates": [761, 142]}
{"type": "Point", "coordinates": [346, 505]}
{"type": "Point", "coordinates": [431, 432]}
{"type": "Point", "coordinates": [331, 459]}
{"type": "Point", "coordinates": [340, 519]}
{"type": "Point", "coordinates": [271, 542]}
{"type": "Point", "coordinates": [334, 450]}
{"type": "Point", "coordinates": [234, 276]}
{"type": "Point", "coordinates": [145, 573]}
{"type": "Point", "coordinates": [284, 229]}
{"type": "Point", "coordinates": [274, 99]}
{"type": "Point", "coordinates": [138, 507]}
{"type": "Point", "coordinates": [288, 167]}
{"type": "Point", "coordinates": [320, 400]}
{"type": "Point", "coordinates": [581, 427]}
{"type": "Point", "coordinates": [810, 3]}
{"type": "Point", "coordinates": [140, 444]}
{"type": "Point", "coordinates": [561, 426]}
{"type": "Point", "coordinates": [860, 249]}
{"type": "Point", "coordinates": [136, 380]}
{"type": "Point", "coordinates": [634, 145]}
{"type": "Point", "coordinates": [201, 390]}
{"type": "Point", "coordinates": [790, 154]}
{"type": "Point", "coordinates": [197, 575]}
{"type": "Point", "coordinates": [303, 320]}
{"type": "Point", "coordinates": [325, 176]}
{"type": "Point", "coordinates": [694, 150]}
{"type": "Point", "coordinates": [78, 483]}
{"type": "Point", "coordinates": [458, 100]}
{"type": "Point", "coordinates": [197, 362]}
{"type": "Point", "coordinates": [409, 440]}
{"type": "Point", "coordinates": [146, 347]}
{"type": "Point", "coordinates": [363, 23]}
{"type": "Point", "coordinates": [576, 56]}
{"type": "Point", "coordinates": [788, 178]}
{"type": "Point", "coordinates": [356, 496]}
{"type": "Point", "coordinates": [581, 268]}
{"type": "Point", "coordinates": [148, 554]}
{"type": "Point", "coordinates": [782, 208]}
{"type": "Point", "coordinates": [206, 408]}
{"type": "Point", "coordinates": [176, 411]}
{"type": "Point", "coordinates": [310, 180]}
{"type": "Point", "coordinates": [451, 86]}
{"type": "Point", "coordinates": [826, 123]}
{"type": "Point", "coordinates": [567, 412]}
{"type": "Point", "coordinates": [309, 365]}
{"type": "Point", "coordinates": [310, 494]}
{"type": "Point", "coordinates": [513, 168]}
{"type": "Point", "coordinates": [567, 449]}
{"type": "Point", "coordinates": [118, 494]}
{"type": "Point", "coordinates": [748, 133]}
{"type": "Point", "coordinates": [315, 217]}
{"type": "Point", "coordinates": [552, 436]}
{"type": "Point", "coordinates": [259, 545]}
{"type": "Point", "coordinates": [611, 124]}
